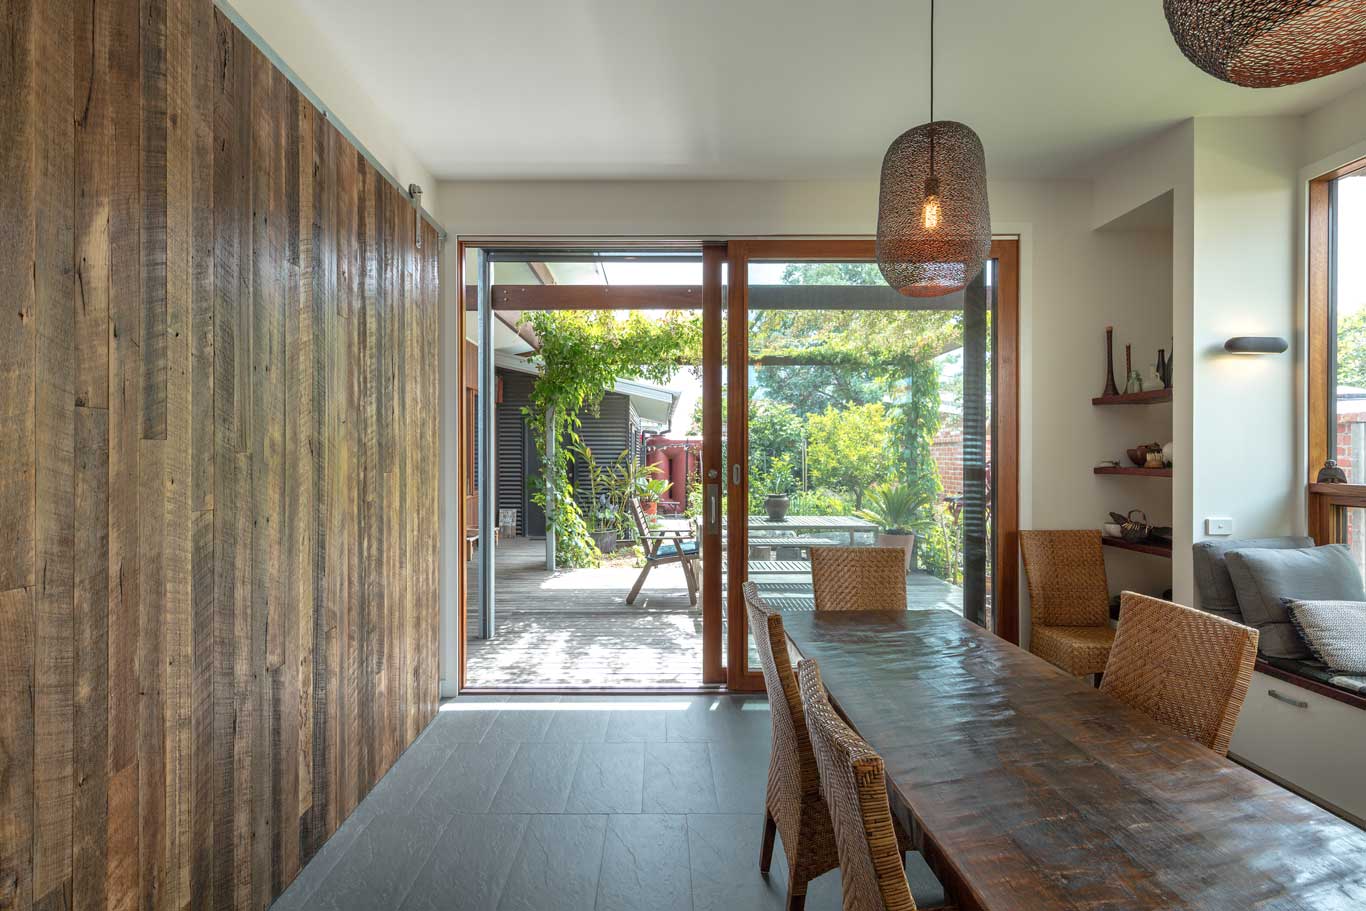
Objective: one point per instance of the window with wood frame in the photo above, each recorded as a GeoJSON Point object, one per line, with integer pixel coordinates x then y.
{"type": "Point", "coordinates": [1337, 358]}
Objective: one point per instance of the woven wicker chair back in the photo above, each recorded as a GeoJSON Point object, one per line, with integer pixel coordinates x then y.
{"type": "Point", "coordinates": [793, 769]}
{"type": "Point", "coordinates": [1185, 668]}
{"type": "Point", "coordinates": [1066, 573]}
{"type": "Point", "coordinates": [859, 578]}
{"type": "Point", "coordinates": [853, 779]}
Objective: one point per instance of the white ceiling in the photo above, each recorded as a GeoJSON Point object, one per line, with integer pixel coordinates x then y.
{"type": "Point", "coordinates": [753, 89]}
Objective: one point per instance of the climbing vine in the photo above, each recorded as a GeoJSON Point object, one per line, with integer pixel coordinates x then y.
{"type": "Point", "coordinates": [583, 353]}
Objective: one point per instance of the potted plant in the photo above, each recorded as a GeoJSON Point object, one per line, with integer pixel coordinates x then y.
{"type": "Point", "coordinates": [776, 505]}
{"type": "Point", "coordinates": [651, 491]}
{"type": "Point", "coordinates": [604, 518]}
{"type": "Point", "coordinates": [897, 509]}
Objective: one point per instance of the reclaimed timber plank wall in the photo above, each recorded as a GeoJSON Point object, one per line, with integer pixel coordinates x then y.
{"type": "Point", "coordinates": [218, 464]}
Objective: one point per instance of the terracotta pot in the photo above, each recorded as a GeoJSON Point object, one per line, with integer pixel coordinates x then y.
{"type": "Point", "coordinates": [649, 507]}
{"type": "Point", "coordinates": [905, 542]}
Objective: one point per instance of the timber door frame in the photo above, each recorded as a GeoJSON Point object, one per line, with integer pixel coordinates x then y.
{"type": "Point", "coordinates": [1005, 440]}
{"type": "Point", "coordinates": [713, 255]}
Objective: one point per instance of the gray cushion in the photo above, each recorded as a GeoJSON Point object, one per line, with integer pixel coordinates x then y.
{"type": "Point", "coordinates": [1263, 577]}
{"type": "Point", "coordinates": [1212, 582]}
{"type": "Point", "coordinates": [1335, 632]}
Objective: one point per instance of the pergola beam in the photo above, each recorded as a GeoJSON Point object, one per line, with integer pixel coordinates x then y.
{"type": "Point", "coordinates": [689, 297]}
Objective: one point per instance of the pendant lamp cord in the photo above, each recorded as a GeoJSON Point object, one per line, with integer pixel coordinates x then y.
{"type": "Point", "coordinates": [931, 86]}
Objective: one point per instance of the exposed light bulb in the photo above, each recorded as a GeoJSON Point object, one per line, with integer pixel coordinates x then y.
{"type": "Point", "coordinates": [930, 211]}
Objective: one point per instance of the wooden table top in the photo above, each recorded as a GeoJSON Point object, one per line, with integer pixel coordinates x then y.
{"type": "Point", "coordinates": [1032, 790]}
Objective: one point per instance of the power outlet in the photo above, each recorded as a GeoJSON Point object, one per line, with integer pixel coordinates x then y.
{"type": "Point", "coordinates": [1219, 525]}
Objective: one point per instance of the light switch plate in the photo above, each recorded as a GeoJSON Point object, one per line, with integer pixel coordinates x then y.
{"type": "Point", "coordinates": [1219, 525]}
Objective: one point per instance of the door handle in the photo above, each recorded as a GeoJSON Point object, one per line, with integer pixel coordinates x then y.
{"type": "Point", "coordinates": [713, 508]}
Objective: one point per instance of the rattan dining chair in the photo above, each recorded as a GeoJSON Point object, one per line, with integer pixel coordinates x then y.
{"type": "Point", "coordinates": [793, 805]}
{"type": "Point", "coordinates": [858, 578]}
{"type": "Point", "coordinates": [1069, 599]}
{"type": "Point", "coordinates": [1185, 668]}
{"type": "Point", "coordinates": [854, 781]}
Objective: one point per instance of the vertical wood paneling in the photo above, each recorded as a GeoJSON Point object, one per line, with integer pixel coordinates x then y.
{"type": "Point", "coordinates": [122, 824]}
{"type": "Point", "coordinates": [94, 188]}
{"type": "Point", "coordinates": [218, 523]}
{"type": "Point", "coordinates": [16, 750]}
{"type": "Point", "coordinates": [16, 287]}
{"type": "Point", "coordinates": [54, 310]}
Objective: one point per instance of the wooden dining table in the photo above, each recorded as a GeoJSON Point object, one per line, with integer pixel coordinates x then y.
{"type": "Point", "coordinates": [1027, 788]}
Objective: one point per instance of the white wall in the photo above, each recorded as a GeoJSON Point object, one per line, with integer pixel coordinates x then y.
{"type": "Point", "coordinates": [1073, 282]}
{"type": "Point", "coordinates": [1246, 463]}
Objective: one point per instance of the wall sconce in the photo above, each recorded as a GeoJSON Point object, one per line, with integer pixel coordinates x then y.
{"type": "Point", "coordinates": [1256, 344]}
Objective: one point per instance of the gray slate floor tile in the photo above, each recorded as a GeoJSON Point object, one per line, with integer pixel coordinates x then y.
{"type": "Point", "coordinates": [558, 864]}
{"type": "Point", "coordinates": [329, 855]}
{"type": "Point", "coordinates": [378, 870]}
{"type": "Point", "coordinates": [723, 851]}
{"type": "Point", "coordinates": [539, 779]}
{"type": "Point", "coordinates": [523, 720]}
{"type": "Point", "coordinates": [470, 864]}
{"type": "Point", "coordinates": [645, 864]}
{"type": "Point", "coordinates": [468, 780]}
{"type": "Point", "coordinates": [627, 725]}
{"type": "Point", "coordinates": [578, 723]}
{"type": "Point", "coordinates": [678, 779]}
{"type": "Point", "coordinates": [609, 779]}
{"type": "Point", "coordinates": [741, 772]}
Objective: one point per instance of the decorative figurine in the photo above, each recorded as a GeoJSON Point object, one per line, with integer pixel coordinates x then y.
{"type": "Point", "coordinates": [1110, 387]}
{"type": "Point", "coordinates": [1332, 473]}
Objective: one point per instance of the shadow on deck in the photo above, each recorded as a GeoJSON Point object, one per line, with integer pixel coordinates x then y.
{"type": "Point", "coordinates": [574, 629]}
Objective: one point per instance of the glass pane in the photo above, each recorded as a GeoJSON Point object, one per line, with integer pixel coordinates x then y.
{"type": "Point", "coordinates": [1349, 304]}
{"type": "Point", "coordinates": [596, 474]}
{"type": "Point", "coordinates": [869, 423]}
{"type": "Point", "coordinates": [1352, 532]}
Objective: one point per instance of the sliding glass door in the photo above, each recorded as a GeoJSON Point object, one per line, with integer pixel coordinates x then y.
{"type": "Point", "coordinates": [591, 467]}
{"type": "Point", "coordinates": [859, 417]}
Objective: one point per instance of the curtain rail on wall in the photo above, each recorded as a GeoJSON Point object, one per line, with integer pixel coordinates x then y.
{"type": "Point", "coordinates": [255, 38]}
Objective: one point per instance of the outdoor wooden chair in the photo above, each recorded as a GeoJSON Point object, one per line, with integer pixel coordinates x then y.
{"type": "Point", "coordinates": [1184, 668]}
{"type": "Point", "coordinates": [1069, 599]}
{"type": "Point", "coordinates": [678, 545]}
{"type": "Point", "coordinates": [853, 778]}
{"type": "Point", "coordinates": [858, 578]}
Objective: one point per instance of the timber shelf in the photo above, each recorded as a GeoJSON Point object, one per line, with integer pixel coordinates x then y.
{"type": "Point", "coordinates": [1134, 472]}
{"type": "Point", "coordinates": [1157, 550]}
{"type": "Point", "coordinates": [1147, 397]}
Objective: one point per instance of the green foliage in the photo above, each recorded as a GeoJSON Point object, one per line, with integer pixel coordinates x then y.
{"type": "Point", "coordinates": [1351, 345]}
{"type": "Point", "coordinates": [915, 422]}
{"type": "Point", "coordinates": [583, 353]}
{"type": "Point", "coordinates": [941, 550]}
{"type": "Point", "coordinates": [820, 503]}
{"type": "Point", "coordinates": [847, 449]}
{"type": "Point", "coordinates": [771, 475]}
{"type": "Point", "coordinates": [898, 508]}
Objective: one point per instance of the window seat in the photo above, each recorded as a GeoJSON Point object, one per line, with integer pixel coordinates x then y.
{"type": "Point", "coordinates": [1318, 677]}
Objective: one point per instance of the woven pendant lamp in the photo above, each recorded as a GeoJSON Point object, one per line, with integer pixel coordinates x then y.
{"type": "Point", "coordinates": [1265, 43]}
{"type": "Point", "coordinates": [933, 221]}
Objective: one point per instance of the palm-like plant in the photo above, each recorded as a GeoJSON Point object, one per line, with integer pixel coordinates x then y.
{"type": "Point", "coordinates": [897, 508]}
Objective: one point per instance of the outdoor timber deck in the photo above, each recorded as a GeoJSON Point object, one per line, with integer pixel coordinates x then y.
{"type": "Point", "coordinates": [573, 628]}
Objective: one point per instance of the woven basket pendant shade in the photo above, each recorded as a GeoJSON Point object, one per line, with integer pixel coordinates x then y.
{"type": "Point", "coordinates": [1265, 43]}
{"type": "Point", "coordinates": [933, 222]}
